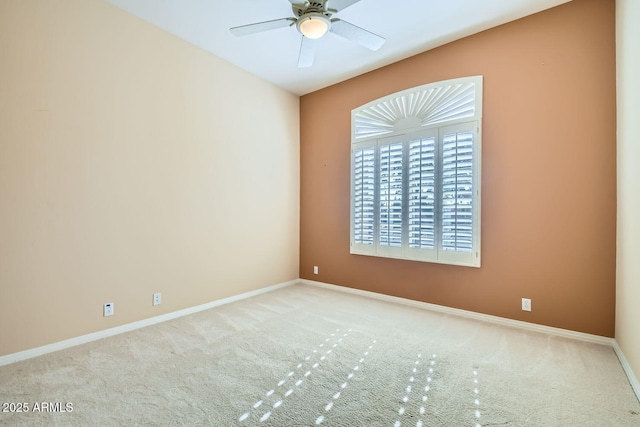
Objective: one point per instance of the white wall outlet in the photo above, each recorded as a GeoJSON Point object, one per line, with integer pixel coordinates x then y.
{"type": "Point", "coordinates": [526, 304]}
{"type": "Point", "coordinates": [315, 269]}
{"type": "Point", "coordinates": [108, 309]}
{"type": "Point", "coordinates": [157, 298]}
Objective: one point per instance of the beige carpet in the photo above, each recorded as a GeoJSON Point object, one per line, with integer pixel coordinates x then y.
{"type": "Point", "coordinates": [307, 356]}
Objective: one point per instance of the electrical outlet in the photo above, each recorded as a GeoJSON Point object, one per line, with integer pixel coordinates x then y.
{"type": "Point", "coordinates": [108, 309]}
{"type": "Point", "coordinates": [157, 298]}
{"type": "Point", "coordinates": [315, 269]}
{"type": "Point", "coordinates": [526, 304]}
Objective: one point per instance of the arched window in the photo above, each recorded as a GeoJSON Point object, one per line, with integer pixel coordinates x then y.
{"type": "Point", "coordinates": [415, 174]}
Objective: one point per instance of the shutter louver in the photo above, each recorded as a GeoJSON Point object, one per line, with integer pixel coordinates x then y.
{"type": "Point", "coordinates": [364, 195]}
{"type": "Point", "coordinates": [422, 193]}
{"type": "Point", "coordinates": [457, 192]}
{"type": "Point", "coordinates": [390, 204]}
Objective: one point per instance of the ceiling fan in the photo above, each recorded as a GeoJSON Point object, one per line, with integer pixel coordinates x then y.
{"type": "Point", "coordinates": [313, 19]}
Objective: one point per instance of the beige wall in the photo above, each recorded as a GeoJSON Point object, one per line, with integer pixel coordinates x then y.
{"type": "Point", "coordinates": [131, 163]}
{"type": "Point", "coordinates": [628, 269]}
{"type": "Point", "coordinates": [549, 173]}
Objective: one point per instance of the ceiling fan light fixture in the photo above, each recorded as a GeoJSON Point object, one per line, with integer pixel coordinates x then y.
{"type": "Point", "coordinates": [313, 25]}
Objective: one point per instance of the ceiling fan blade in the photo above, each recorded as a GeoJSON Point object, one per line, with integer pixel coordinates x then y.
{"type": "Point", "coordinates": [258, 27]}
{"type": "Point", "coordinates": [307, 52]}
{"type": "Point", "coordinates": [338, 5]}
{"type": "Point", "coordinates": [356, 34]}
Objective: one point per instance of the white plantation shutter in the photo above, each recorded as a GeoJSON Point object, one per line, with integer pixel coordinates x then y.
{"type": "Point", "coordinates": [363, 195]}
{"type": "Point", "coordinates": [415, 193]}
{"type": "Point", "coordinates": [390, 199]}
{"type": "Point", "coordinates": [429, 104]}
{"type": "Point", "coordinates": [422, 193]}
{"type": "Point", "coordinates": [457, 191]}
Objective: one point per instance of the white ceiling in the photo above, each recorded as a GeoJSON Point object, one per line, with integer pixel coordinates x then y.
{"type": "Point", "coordinates": [410, 27]}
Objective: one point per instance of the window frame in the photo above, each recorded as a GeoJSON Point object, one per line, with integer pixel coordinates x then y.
{"type": "Point", "coordinates": [407, 130]}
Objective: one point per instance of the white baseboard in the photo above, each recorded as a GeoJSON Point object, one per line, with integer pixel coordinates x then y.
{"type": "Point", "coordinates": [633, 380]}
{"type": "Point", "coordinates": [597, 339]}
{"type": "Point", "coordinates": [83, 339]}
{"type": "Point", "coordinates": [39, 351]}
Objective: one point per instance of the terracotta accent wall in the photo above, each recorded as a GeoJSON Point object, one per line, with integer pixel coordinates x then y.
{"type": "Point", "coordinates": [132, 162]}
{"type": "Point", "coordinates": [548, 173]}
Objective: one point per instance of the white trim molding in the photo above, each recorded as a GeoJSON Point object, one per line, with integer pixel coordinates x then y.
{"type": "Point", "coordinates": [633, 380]}
{"type": "Point", "coordinates": [596, 339]}
{"type": "Point", "coordinates": [83, 339]}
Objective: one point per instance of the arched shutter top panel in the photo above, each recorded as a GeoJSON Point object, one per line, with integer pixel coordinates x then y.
{"type": "Point", "coordinates": [426, 105]}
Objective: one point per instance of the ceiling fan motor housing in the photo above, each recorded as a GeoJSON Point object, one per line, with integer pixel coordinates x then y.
{"type": "Point", "coordinates": [305, 7]}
